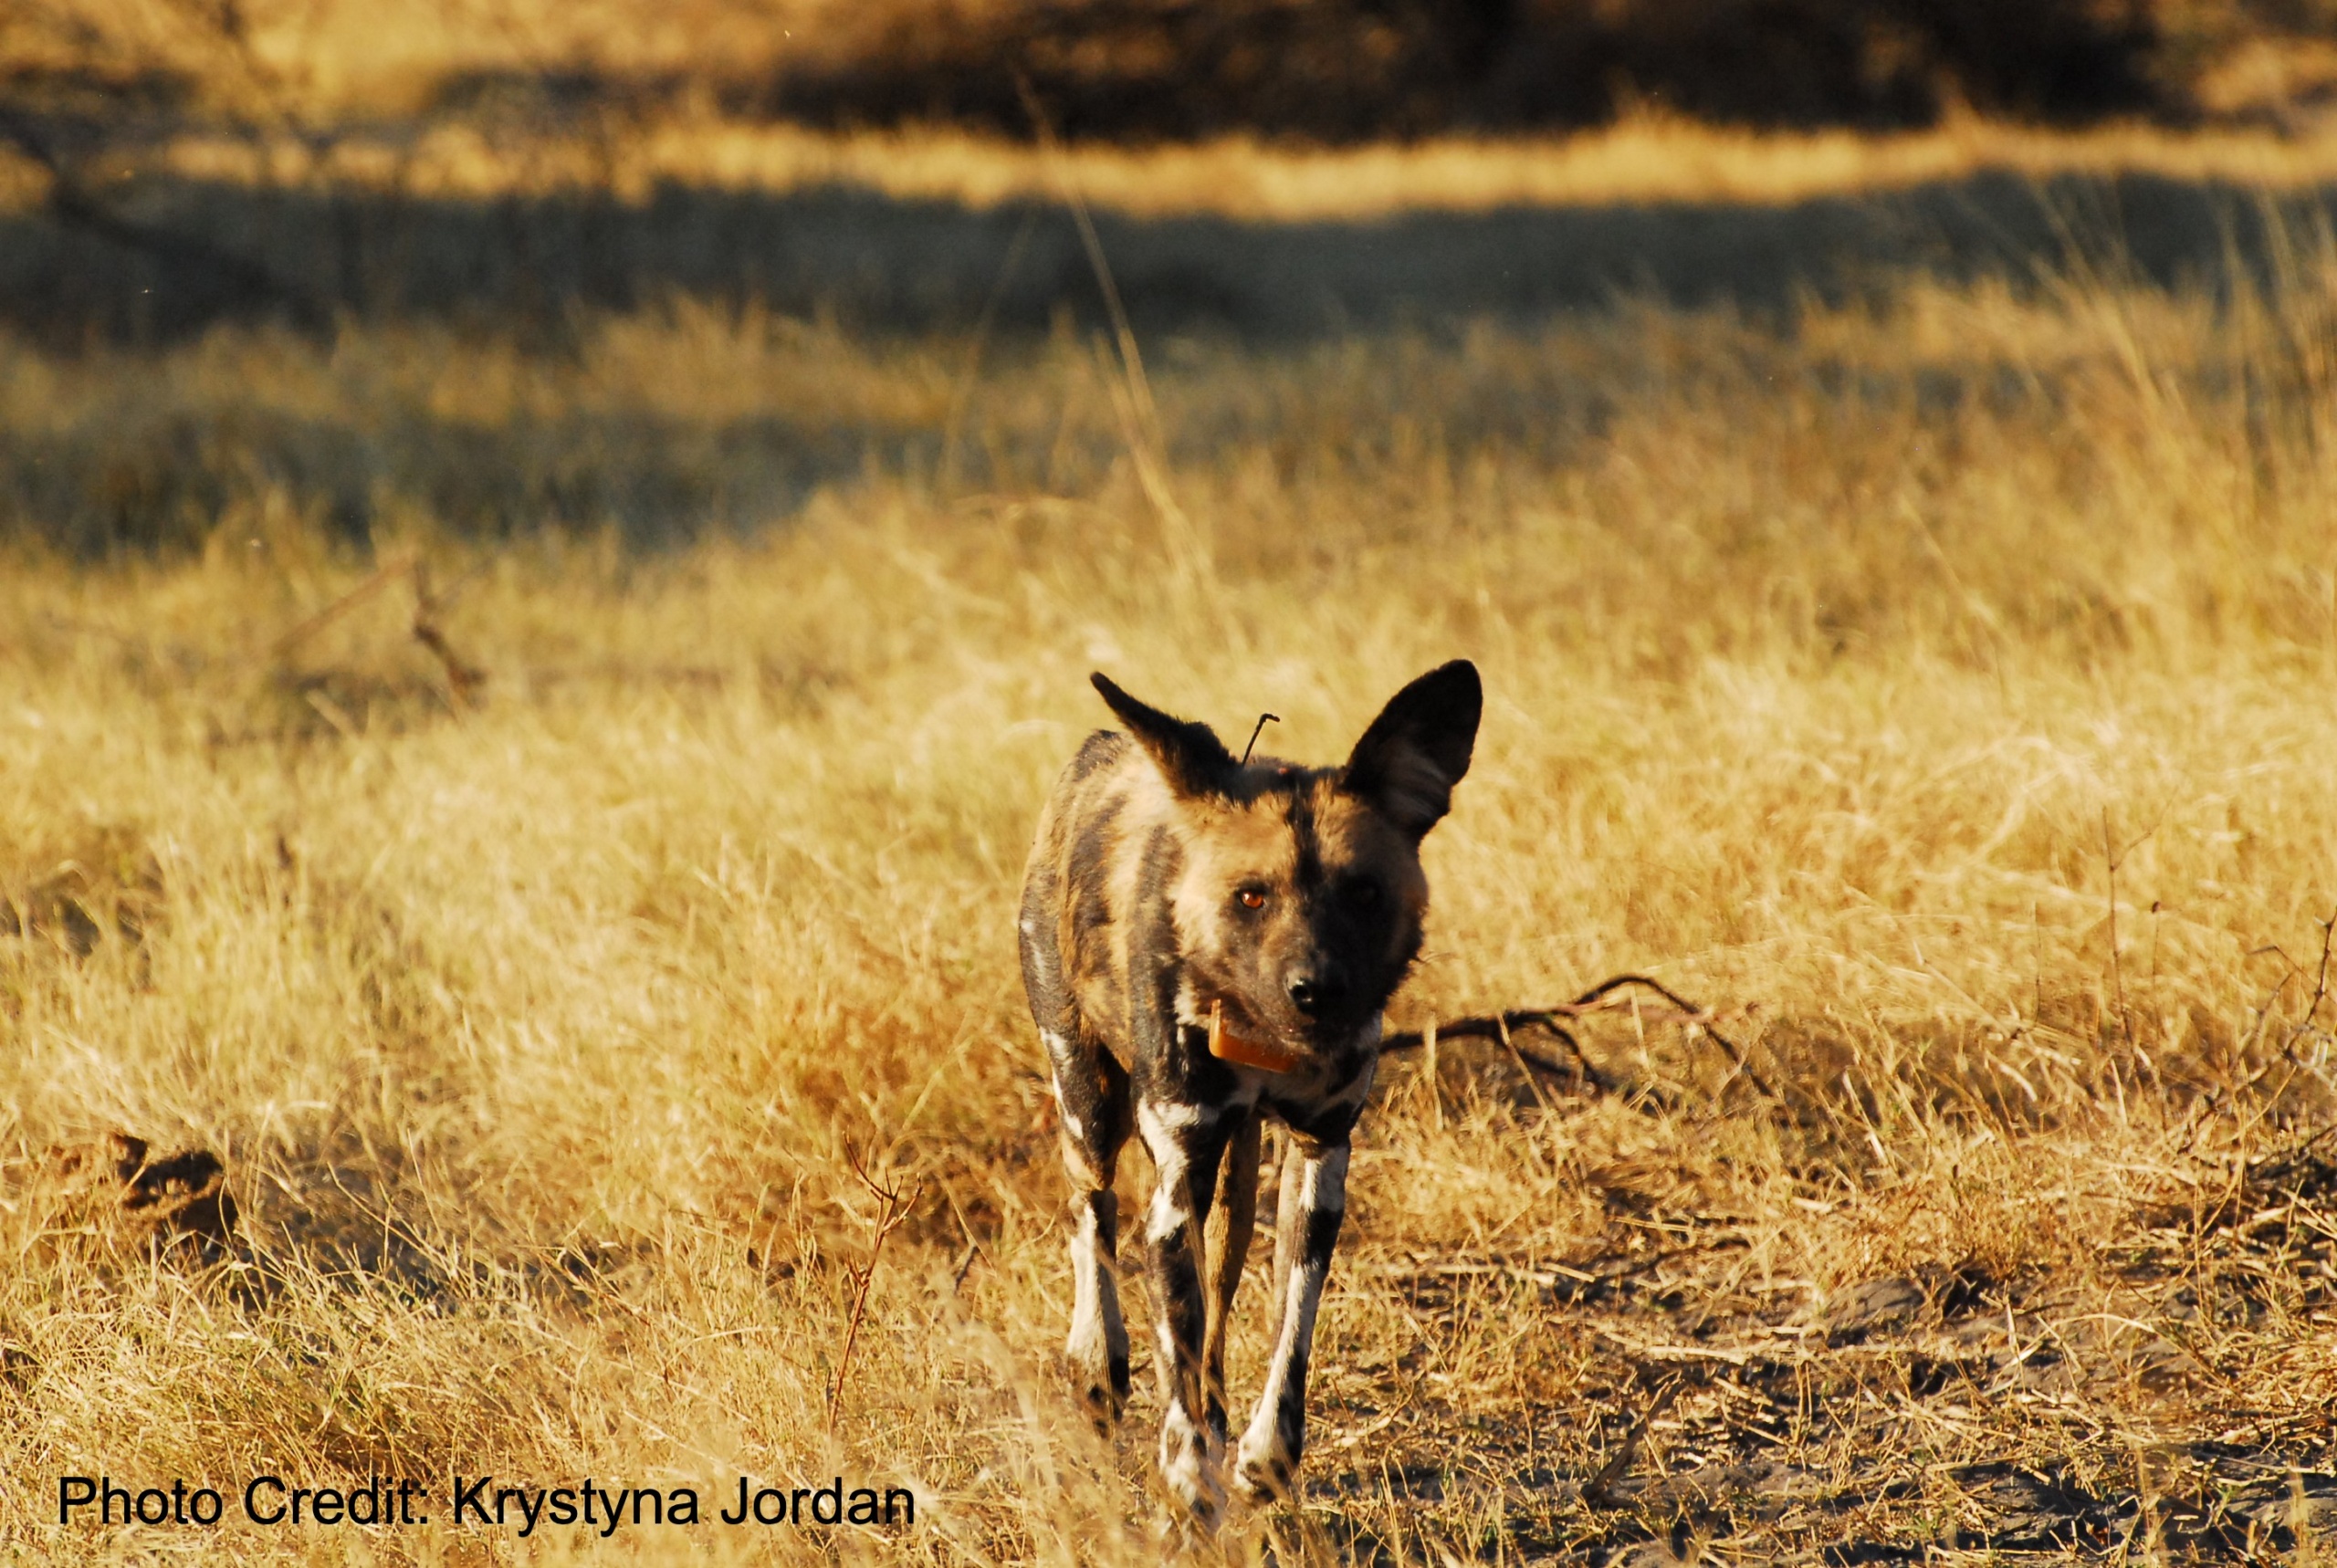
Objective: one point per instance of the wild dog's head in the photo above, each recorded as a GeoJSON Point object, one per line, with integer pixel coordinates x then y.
{"type": "Point", "coordinates": [1298, 899]}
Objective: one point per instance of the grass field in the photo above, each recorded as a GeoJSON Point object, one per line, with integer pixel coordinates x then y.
{"type": "Point", "coordinates": [541, 923]}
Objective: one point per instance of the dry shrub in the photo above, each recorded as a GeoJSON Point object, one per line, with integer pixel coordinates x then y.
{"type": "Point", "coordinates": [100, 882]}
{"type": "Point", "coordinates": [1983, 1221]}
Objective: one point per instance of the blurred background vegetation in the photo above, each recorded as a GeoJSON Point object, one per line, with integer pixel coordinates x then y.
{"type": "Point", "coordinates": [1361, 69]}
{"type": "Point", "coordinates": [1331, 70]}
{"type": "Point", "coordinates": [373, 258]}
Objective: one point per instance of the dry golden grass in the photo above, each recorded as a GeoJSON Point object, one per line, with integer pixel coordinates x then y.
{"type": "Point", "coordinates": [1649, 160]}
{"type": "Point", "coordinates": [1942, 690]}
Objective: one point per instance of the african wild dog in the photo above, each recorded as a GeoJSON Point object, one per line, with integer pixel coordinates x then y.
{"type": "Point", "coordinates": [1206, 942]}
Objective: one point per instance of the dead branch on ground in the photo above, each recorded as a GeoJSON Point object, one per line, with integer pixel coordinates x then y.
{"type": "Point", "coordinates": [1607, 996]}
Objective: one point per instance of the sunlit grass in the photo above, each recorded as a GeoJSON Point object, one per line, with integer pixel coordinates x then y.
{"type": "Point", "coordinates": [1646, 159]}
{"type": "Point", "coordinates": [1941, 691]}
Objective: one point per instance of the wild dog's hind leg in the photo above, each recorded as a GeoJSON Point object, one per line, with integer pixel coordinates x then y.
{"type": "Point", "coordinates": [1313, 1202]}
{"type": "Point", "coordinates": [1092, 1098]}
{"type": "Point", "coordinates": [1232, 1220]}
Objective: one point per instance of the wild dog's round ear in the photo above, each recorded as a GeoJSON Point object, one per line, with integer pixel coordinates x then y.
{"type": "Point", "coordinates": [1188, 754]}
{"type": "Point", "coordinates": [1419, 748]}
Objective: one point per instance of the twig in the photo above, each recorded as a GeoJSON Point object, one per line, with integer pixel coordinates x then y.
{"type": "Point", "coordinates": [1557, 1277]}
{"type": "Point", "coordinates": [2117, 975]}
{"type": "Point", "coordinates": [2320, 983]}
{"type": "Point", "coordinates": [2036, 956]}
{"type": "Point", "coordinates": [894, 1210]}
{"type": "Point", "coordinates": [1498, 1028]}
{"type": "Point", "coordinates": [973, 1247]}
{"type": "Point", "coordinates": [1532, 1082]}
{"type": "Point", "coordinates": [463, 679]}
{"type": "Point", "coordinates": [1490, 1028]}
{"type": "Point", "coordinates": [2279, 1167]}
{"type": "Point", "coordinates": [1595, 1490]}
{"type": "Point", "coordinates": [2296, 1031]}
{"type": "Point", "coordinates": [341, 606]}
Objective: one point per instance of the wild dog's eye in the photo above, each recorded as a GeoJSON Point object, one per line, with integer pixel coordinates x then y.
{"type": "Point", "coordinates": [1363, 894]}
{"type": "Point", "coordinates": [1251, 897]}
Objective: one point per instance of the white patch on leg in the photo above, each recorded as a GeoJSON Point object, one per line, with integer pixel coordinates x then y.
{"type": "Point", "coordinates": [1266, 1467]}
{"type": "Point", "coordinates": [1164, 1358]}
{"type": "Point", "coordinates": [1098, 1336]}
{"type": "Point", "coordinates": [1265, 1463]}
{"type": "Point", "coordinates": [1189, 1468]}
{"type": "Point", "coordinates": [1086, 1347]}
{"type": "Point", "coordinates": [1323, 1187]}
{"type": "Point", "coordinates": [1168, 1213]}
{"type": "Point", "coordinates": [1160, 1119]}
{"type": "Point", "coordinates": [1170, 1209]}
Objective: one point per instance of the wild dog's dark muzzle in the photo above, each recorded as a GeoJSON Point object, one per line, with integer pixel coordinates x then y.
{"type": "Point", "coordinates": [1313, 995]}
{"type": "Point", "coordinates": [1327, 1004]}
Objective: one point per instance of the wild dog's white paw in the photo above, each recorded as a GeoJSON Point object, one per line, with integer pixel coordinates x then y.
{"type": "Point", "coordinates": [1266, 1467]}
{"type": "Point", "coordinates": [1099, 1368]}
{"type": "Point", "coordinates": [1192, 1471]}
{"type": "Point", "coordinates": [1098, 1346]}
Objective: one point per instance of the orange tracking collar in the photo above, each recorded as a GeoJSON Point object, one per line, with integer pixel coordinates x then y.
{"type": "Point", "coordinates": [1227, 1046]}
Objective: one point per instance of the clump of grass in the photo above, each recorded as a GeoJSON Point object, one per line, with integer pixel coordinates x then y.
{"type": "Point", "coordinates": [87, 884]}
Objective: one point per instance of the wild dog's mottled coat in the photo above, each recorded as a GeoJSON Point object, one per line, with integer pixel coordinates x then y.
{"type": "Point", "coordinates": [1166, 880]}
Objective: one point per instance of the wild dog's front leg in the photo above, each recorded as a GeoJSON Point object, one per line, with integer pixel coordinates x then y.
{"type": "Point", "coordinates": [1186, 1143]}
{"type": "Point", "coordinates": [1092, 1096]}
{"type": "Point", "coordinates": [1306, 1225]}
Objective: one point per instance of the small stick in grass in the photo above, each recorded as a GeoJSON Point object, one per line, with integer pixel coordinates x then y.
{"type": "Point", "coordinates": [1509, 1045]}
{"type": "Point", "coordinates": [1498, 1028]}
{"type": "Point", "coordinates": [2111, 858]}
{"type": "Point", "coordinates": [463, 679]}
{"type": "Point", "coordinates": [349, 601]}
{"type": "Point", "coordinates": [895, 1208]}
{"type": "Point", "coordinates": [2320, 986]}
{"type": "Point", "coordinates": [1596, 1492]}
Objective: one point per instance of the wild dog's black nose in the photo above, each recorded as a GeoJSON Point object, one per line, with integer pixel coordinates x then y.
{"type": "Point", "coordinates": [1312, 994]}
